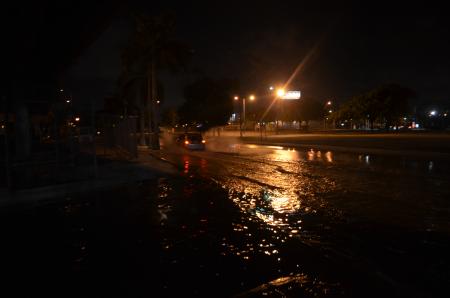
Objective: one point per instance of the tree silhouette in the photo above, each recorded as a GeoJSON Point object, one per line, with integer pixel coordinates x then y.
{"type": "Point", "coordinates": [150, 49]}
{"type": "Point", "coordinates": [386, 104]}
{"type": "Point", "coordinates": [208, 102]}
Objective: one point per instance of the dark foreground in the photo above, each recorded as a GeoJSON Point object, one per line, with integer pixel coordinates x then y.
{"type": "Point", "coordinates": [258, 222]}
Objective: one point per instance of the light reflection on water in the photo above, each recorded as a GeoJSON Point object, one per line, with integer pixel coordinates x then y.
{"type": "Point", "coordinates": [282, 195]}
{"type": "Point", "coordinates": [329, 156]}
{"type": "Point", "coordinates": [278, 209]}
{"type": "Point", "coordinates": [285, 204]}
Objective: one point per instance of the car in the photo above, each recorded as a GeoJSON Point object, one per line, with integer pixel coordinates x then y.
{"type": "Point", "coordinates": [191, 141]}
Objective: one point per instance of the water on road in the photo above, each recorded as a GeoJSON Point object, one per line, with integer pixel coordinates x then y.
{"type": "Point", "coordinates": [249, 221]}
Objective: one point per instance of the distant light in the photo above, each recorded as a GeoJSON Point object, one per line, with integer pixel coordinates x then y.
{"type": "Point", "coordinates": [3, 126]}
{"type": "Point", "coordinates": [68, 101]}
{"type": "Point", "coordinates": [77, 119]}
{"type": "Point", "coordinates": [236, 97]}
{"type": "Point", "coordinates": [280, 92]}
{"type": "Point", "coordinates": [433, 113]}
{"type": "Point", "coordinates": [61, 90]}
{"type": "Point", "coordinates": [329, 103]}
{"type": "Point", "coordinates": [186, 142]}
{"type": "Point", "coordinates": [417, 125]}
{"type": "Point", "coordinates": [404, 118]}
{"type": "Point", "coordinates": [342, 124]}
{"type": "Point", "coordinates": [158, 101]}
{"type": "Point", "coordinates": [203, 141]}
{"type": "Point", "coordinates": [445, 114]}
{"type": "Point", "coordinates": [98, 132]}
{"type": "Point", "coordinates": [251, 97]}
{"type": "Point", "coordinates": [271, 88]}
{"type": "Point", "coordinates": [330, 111]}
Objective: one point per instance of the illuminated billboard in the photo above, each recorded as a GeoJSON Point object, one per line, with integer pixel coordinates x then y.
{"type": "Point", "coordinates": [292, 95]}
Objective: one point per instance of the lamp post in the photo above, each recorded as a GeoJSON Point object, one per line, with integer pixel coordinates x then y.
{"type": "Point", "coordinates": [242, 118]}
{"type": "Point", "coordinates": [327, 107]}
{"type": "Point", "coordinates": [280, 94]}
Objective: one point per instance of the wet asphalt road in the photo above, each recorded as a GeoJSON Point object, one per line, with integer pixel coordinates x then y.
{"type": "Point", "coordinates": [245, 220]}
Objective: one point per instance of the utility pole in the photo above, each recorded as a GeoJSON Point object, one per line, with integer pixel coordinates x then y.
{"type": "Point", "coordinates": [7, 152]}
{"type": "Point", "coordinates": [243, 108]}
{"type": "Point", "coordinates": [93, 140]}
{"type": "Point", "coordinates": [155, 143]}
{"type": "Point", "coordinates": [154, 140]}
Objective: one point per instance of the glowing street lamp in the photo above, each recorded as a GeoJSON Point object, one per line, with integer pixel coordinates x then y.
{"type": "Point", "coordinates": [242, 119]}
{"type": "Point", "coordinates": [280, 92]}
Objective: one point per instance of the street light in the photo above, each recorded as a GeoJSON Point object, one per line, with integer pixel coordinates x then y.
{"type": "Point", "coordinates": [328, 106]}
{"type": "Point", "coordinates": [242, 119]}
{"type": "Point", "coordinates": [280, 92]}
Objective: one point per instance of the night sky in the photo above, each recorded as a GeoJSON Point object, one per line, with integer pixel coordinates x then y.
{"type": "Point", "coordinates": [352, 49]}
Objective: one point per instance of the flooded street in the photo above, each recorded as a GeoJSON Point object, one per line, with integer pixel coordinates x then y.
{"type": "Point", "coordinates": [248, 221]}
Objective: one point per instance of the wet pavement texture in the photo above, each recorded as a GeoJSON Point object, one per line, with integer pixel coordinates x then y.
{"type": "Point", "coordinates": [246, 221]}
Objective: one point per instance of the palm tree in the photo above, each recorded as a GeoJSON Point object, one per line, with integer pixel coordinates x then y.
{"type": "Point", "coordinates": [149, 50]}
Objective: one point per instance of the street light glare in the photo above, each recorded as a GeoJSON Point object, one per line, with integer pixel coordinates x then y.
{"type": "Point", "coordinates": [280, 92]}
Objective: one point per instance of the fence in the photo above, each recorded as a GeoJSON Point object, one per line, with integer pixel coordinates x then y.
{"type": "Point", "coordinates": [62, 154]}
{"type": "Point", "coordinates": [119, 134]}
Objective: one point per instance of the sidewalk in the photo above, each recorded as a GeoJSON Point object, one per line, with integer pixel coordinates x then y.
{"type": "Point", "coordinates": [117, 172]}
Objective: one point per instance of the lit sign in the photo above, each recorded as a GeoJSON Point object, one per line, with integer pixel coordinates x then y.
{"type": "Point", "coordinates": [291, 95]}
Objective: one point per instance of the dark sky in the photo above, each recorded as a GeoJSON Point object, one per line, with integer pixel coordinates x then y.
{"type": "Point", "coordinates": [352, 49]}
